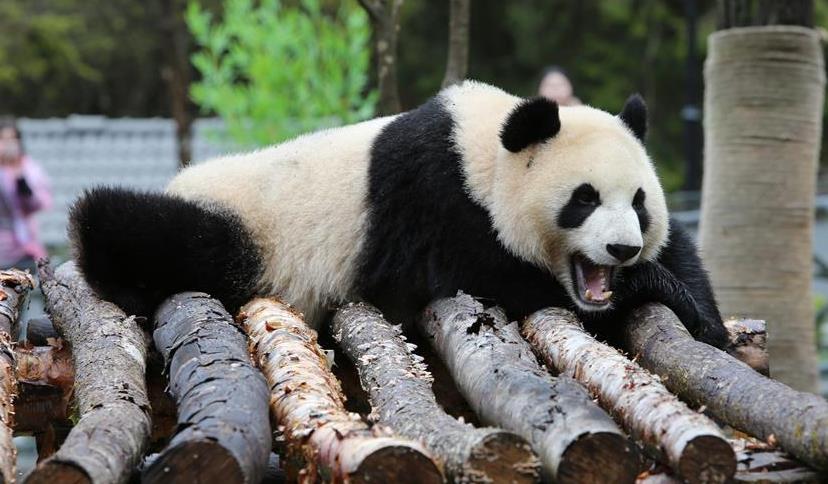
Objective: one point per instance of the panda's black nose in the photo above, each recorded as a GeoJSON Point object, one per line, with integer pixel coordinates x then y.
{"type": "Point", "coordinates": [623, 252]}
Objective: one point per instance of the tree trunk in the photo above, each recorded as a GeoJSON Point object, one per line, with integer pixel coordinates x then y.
{"type": "Point", "coordinates": [762, 121]}
{"type": "Point", "coordinates": [496, 371]}
{"type": "Point", "coordinates": [324, 441]}
{"type": "Point", "coordinates": [458, 45]}
{"type": "Point", "coordinates": [177, 73]}
{"type": "Point", "coordinates": [109, 351]}
{"type": "Point", "coordinates": [224, 431]}
{"type": "Point", "coordinates": [727, 388]}
{"type": "Point", "coordinates": [14, 287]}
{"type": "Point", "coordinates": [385, 22]}
{"type": "Point", "coordinates": [399, 386]}
{"type": "Point", "coordinates": [687, 440]}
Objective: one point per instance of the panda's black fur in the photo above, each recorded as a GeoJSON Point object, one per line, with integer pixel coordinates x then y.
{"type": "Point", "coordinates": [137, 248]}
{"type": "Point", "coordinates": [426, 237]}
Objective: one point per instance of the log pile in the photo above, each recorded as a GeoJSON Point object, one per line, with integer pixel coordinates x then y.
{"type": "Point", "coordinates": [237, 389]}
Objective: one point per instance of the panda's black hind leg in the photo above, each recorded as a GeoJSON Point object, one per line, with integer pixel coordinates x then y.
{"type": "Point", "coordinates": [137, 248]}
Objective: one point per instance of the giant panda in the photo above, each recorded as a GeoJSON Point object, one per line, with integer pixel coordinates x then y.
{"type": "Point", "coordinates": [518, 201]}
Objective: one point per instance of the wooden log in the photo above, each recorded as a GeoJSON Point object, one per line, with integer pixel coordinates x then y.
{"type": "Point", "coordinates": [39, 331]}
{"type": "Point", "coordinates": [14, 286]}
{"type": "Point", "coordinates": [498, 374]}
{"type": "Point", "coordinates": [109, 351]}
{"type": "Point", "coordinates": [759, 462]}
{"type": "Point", "coordinates": [727, 388]}
{"type": "Point", "coordinates": [224, 428]}
{"type": "Point", "coordinates": [324, 441]}
{"type": "Point", "coordinates": [399, 387]}
{"type": "Point", "coordinates": [688, 441]}
{"type": "Point", "coordinates": [747, 342]}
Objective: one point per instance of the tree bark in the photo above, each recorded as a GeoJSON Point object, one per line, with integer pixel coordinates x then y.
{"type": "Point", "coordinates": [687, 440]}
{"type": "Point", "coordinates": [177, 73]}
{"type": "Point", "coordinates": [762, 118]}
{"type": "Point", "coordinates": [498, 374]}
{"type": "Point", "coordinates": [727, 388]}
{"type": "Point", "coordinates": [109, 354]}
{"type": "Point", "coordinates": [14, 287]}
{"type": "Point", "coordinates": [323, 439]}
{"type": "Point", "coordinates": [458, 44]}
{"type": "Point", "coordinates": [224, 431]}
{"type": "Point", "coordinates": [399, 387]}
{"type": "Point", "coordinates": [385, 23]}
{"type": "Point", "coordinates": [747, 342]}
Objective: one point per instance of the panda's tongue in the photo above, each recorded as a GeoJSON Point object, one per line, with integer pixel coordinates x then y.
{"type": "Point", "coordinates": [596, 280]}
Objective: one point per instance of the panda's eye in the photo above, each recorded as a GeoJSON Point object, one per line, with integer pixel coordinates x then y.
{"type": "Point", "coordinates": [586, 195]}
{"type": "Point", "coordinates": [638, 199]}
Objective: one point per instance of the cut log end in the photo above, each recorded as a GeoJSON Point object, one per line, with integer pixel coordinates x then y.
{"type": "Point", "coordinates": [56, 471]}
{"type": "Point", "coordinates": [707, 459]}
{"type": "Point", "coordinates": [594, 457]}
{"type": "Point", "coordinates": [396, 463]}
{"type": "Point", "coordinates": [502, 457]}
{"type": "Point", "coordinates": [194, 461]}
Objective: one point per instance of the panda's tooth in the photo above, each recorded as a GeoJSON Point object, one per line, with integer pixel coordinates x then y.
{"type": "Point", "coordinates": [588, 295]}
{"type": "Point", "coordinates": [607, 294]}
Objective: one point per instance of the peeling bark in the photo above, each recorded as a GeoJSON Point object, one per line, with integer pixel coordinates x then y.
{"type": "Point", "coordinates": [14, 286]}
{"type": "Point", "coordinates": [224, 430]}
{"type": "Point", "coordinates": [748, 343]}
{"type": "Point", "coordinates": [690, 442]}
{"type": "Point", "coordinates": [324, 441]}
{"type": "Point", "coordinates": [399, 386]}
{"type": "Point", "coordinates": [498, 374]}
{"type": "Point", "coordinates": [729, 389]}
{"type": "Point", "coordinates": [109, 351]}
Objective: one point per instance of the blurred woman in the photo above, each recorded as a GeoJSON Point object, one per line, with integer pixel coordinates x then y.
{"type": "Point", "coordinates": [555, 85]}
{"type": "Point", "coordinates": [24, 190]}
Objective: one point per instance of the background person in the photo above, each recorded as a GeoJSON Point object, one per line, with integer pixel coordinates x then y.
{"type": "Point", "coordinates": [555, 85]}
{"type": "Point", "coordinates": [24, 190]}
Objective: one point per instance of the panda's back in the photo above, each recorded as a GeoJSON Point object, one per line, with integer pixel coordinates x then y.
{"type": "Point", "coordinates": [304, 203]}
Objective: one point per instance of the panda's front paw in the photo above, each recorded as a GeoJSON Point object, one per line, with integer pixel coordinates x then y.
{"type": "Point", "coordinates": [711, 330]}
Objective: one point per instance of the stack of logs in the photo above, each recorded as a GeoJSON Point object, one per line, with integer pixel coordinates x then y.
{"type": "Point", "coordinates": [196, 396]}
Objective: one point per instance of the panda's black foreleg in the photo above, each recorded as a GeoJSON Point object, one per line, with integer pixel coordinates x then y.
{"type": "Point", "coordinates": [678, 280]}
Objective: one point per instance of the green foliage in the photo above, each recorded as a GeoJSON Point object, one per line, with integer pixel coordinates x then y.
{"type": "Point", "coordinates": [273, 71]}
{"type": "Point", "coordinates": [80, 56]}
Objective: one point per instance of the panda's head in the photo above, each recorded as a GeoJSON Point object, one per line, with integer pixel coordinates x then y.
{"type": "Point", "coordinates": [575, 193]}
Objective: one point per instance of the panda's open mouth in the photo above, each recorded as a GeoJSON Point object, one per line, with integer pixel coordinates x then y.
{"type": "Point", "coordinates": [592, 281]}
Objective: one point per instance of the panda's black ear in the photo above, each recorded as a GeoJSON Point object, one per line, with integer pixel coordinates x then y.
{"type": "Point", "coordinates": [634, 115]}
{"type": "Point", "coordinates": [532, 121]}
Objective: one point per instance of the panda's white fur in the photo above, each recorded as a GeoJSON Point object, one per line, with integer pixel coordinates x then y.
{"type": "Point", "coordinates": [304, 203]}
{"type": "Point", "coordinates": [328, 214]}
{"type": "Point", "coordinates": [304, 200]}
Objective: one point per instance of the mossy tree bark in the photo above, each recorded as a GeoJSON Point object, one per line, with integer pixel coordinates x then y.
{"type": "Point", "coordinates": [764, 94]}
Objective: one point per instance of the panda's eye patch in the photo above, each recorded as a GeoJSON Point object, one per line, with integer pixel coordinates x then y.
{"type": "Point", "coordinates": [585, 194]}
{"type": "Point", "coordinates": [638, 199]}
{"type": "Point", "coordinates": [583, 201]}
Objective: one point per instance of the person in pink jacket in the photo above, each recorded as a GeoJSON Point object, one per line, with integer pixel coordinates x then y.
{"type": "Point", "coordinates": [24, 190]}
